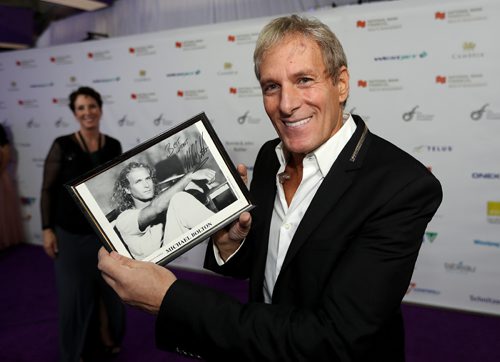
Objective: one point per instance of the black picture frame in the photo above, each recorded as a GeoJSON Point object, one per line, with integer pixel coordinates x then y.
{"type": "Point", "coordinates": [116, 209]}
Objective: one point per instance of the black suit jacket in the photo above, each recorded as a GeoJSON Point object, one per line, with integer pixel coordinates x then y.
{"type": "Point", "coordinates": [338, 294]}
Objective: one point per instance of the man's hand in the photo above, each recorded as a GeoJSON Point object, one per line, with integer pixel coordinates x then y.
{"type": "Point", "coordinates": [138, 283]}
{"type": "Point", "coordinates": [242, 170]}
{"type": "Point", "coordinates": [229, 240]}
{"type": "Point", "coordinates": [50, 243]}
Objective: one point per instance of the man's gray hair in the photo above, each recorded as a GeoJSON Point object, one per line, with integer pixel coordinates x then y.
{"type": "Point", "coordinates": [275, 31]}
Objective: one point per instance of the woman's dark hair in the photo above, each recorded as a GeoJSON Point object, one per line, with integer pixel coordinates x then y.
{"type": "Point", "coordinates": [84, 91]}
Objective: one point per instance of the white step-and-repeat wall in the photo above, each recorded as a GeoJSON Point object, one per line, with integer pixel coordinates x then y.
{"type": "Point", "coordinates": [424, 74]}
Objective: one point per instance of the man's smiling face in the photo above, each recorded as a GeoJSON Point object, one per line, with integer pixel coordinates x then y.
{"type": "Point", "coordinates": [299, 97]}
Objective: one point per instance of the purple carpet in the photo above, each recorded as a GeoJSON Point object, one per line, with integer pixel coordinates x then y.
{"type": "Point", "coordinates": [28, 319]}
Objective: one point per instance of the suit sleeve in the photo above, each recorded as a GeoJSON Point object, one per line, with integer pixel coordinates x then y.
{"type": "Point", "coordinates": [362, 292]}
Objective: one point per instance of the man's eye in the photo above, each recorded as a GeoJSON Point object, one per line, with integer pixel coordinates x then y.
{"type": "Point", "coordinates": [304, 80]}
{"type": "Point", "coordinates": [269, 88]}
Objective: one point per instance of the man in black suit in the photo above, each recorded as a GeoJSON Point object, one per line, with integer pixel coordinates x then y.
{"type": "Point", "coordinates": [331, 247]}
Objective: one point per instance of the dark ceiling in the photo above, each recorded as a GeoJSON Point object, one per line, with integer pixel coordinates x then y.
{"type": "Point", "coordinates": [23, 21]}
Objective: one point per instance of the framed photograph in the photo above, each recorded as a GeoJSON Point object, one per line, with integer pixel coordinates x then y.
{"type": "Point", "coordinates": [163, 197]}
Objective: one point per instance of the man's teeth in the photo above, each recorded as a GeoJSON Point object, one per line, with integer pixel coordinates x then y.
{"type": "Point", "coordinates": [297, 124]}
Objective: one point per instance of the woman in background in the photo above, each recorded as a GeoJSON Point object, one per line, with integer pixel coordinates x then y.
{"type": "Point", "coordinates": [86, 303]}
{"type": "Point", "coordinates": [11, 227]}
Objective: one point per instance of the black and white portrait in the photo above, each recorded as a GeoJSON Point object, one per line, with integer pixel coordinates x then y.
{"type": "Point", "coordinates": [163, 196]}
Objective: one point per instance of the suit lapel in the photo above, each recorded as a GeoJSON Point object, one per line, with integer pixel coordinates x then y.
{"type": "Point", "coordinates": [337, 181]}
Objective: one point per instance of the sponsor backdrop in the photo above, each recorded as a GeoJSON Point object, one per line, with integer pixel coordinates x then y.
{"type": "Point", "coordinates": [424, 75]}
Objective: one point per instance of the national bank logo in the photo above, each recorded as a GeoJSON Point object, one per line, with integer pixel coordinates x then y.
{"type": "Point", "coordinates": [415, 114]}
{"type": "Point", "coordinates": [192, 94]}
{"type": "Point", "coordinates": [243, 38]}
{"type": "Point", "coordinates": [142, 50]}
{"type": "Point", "coordinates": [493, 212]}
{"type": "Point", "coordinates": [461, 15]}
{"type": "Point", "coordinates": [484, 112]}
{"type": "Point", "coordinates": [469, 51]}
{"type": "Point", "coordinates": [26, 63]}
{"type": "Point", "coordinates": [380, 85]}
{"type": "Point", "coordinates": [189, 45]}
{"type": "Point", "coordinates": [246, 92]}
{"type": "Point", "coordinates": [27, 103]}
{"type": "Point", "coordinates": [379, 24]}
{"type": "Point", "coordinates": [400, 57]}
{"type": "Point", "coordinates": [99, 55]}
{"type": "Point", "coordinates": [144, 97]}
{"type": "Point", "coordinates": [474, 80]}
{"type": "Point", "coordinates": [60, 101]}
{"type": "Point", "coordinates": [61, 59]}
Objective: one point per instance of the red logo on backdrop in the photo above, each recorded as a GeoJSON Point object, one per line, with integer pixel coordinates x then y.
{"type": "Point", "coordinates": [360, 24]}
{"type": "Point", "coordinates": [231, 38]}
{"type": "Point", "coordinates": [52, 59]}
{"type": "Point", "coordinates": [18, 63]}
{"type": "Point", "coordinates": [362, 83]}
{"type": "Point", "coordinates": [131, 50]}
{"type": "Point", "coordinates": [133, 96]}
{"type": "Point", "coordinates": [54, 100]}
{"type": "Point", "coordinates": [90, 55]}
{"type": "Point", "coordinates": [440, 79]}
{"type": "Point", "coordinates": [439, 15]}
{"type": "Point", "coordinates": [233, 90]}
{"type": "Point", "coordinates": [178, 44]}
{"type": "Point", "coordinates": [180, 93]}
{"type": "Point", "coordinates": [20, 102]}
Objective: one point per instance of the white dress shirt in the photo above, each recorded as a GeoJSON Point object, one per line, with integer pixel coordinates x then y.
{"type": "Point", "coordinates": [286, 219]}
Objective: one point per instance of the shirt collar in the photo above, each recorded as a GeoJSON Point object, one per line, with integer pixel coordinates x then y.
{"type": "Point", "coordinates": [327, 153]}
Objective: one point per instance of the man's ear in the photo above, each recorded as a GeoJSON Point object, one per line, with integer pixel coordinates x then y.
{"type": "Point", "coordinates": [343, 84]}
{"type": "Point", "coordinates": [128, 191]}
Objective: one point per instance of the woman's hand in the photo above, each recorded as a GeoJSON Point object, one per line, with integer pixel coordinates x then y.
{"type": "Point", "coordinates": [50, 243]}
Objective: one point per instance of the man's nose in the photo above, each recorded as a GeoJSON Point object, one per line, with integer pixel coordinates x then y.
{"type": "Point", "coordinates": [290, 99]}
